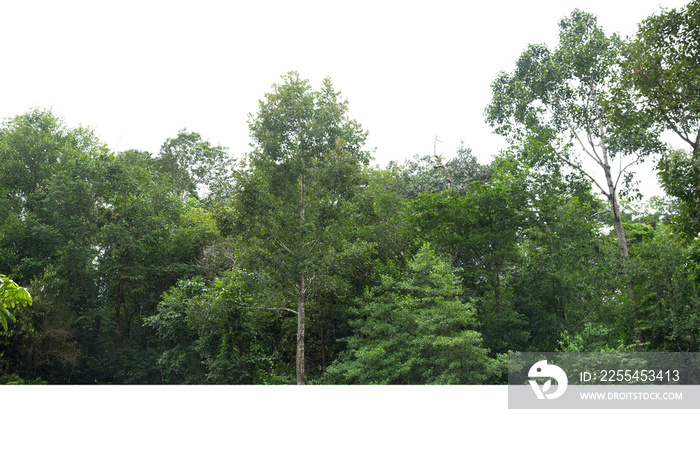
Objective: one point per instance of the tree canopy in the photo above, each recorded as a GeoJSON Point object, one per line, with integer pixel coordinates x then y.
{"type": "Point", "coordinates": [568, 102]}
{"type": "Point", "coordinates": [301, 262]}
{"type": "Point", "coordinates": [663, 71]}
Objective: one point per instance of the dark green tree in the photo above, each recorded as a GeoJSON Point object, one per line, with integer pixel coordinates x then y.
{"type": "Point", "coordinates": [306, 164]}
{"type": "Point", "coordinates": [211, 335]}
{"type": "Point", "coordinates": [51, 177]}
{"type": "Point", "coordinates": [415, 328]}
{"type": "Point", "coordinates": [666, 276]}
{"type": "Point", "coordinates": [481, 231]}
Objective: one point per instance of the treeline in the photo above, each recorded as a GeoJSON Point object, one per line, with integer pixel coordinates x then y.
{"type": "Point", "coordinates": [301, 262]}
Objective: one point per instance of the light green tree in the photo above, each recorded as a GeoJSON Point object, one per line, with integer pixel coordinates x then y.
{"type": "Point", "coordinates": [11, 295]}
{"type": "Point", "coordinates": [567, 105]}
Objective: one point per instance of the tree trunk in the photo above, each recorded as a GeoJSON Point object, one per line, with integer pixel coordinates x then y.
{"type": "Point", "coordinates": [612, 195]}
{"type": "Point", "coordinates": [301, 324]}
{"type": "Point", "coordinates": [117, 312]}
{"type": "Point", "coordinates": [300, 331]}
{"type": "Point", "coordinates": [621, 238]}
{"type": "Point", "coordinates": [323, 350]}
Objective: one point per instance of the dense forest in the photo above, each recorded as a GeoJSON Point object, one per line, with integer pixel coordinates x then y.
{"type": "Point", "coordinates": [302, 262]}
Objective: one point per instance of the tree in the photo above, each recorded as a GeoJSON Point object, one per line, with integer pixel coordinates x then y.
{"type": "Point", "coordinates": [422, 174]}
{"type": "Point", "coordinates": [679, 173]}
{"type": "Point", "coordinates": [414, 328]}
{"type": "Point", "coordinates": [306, 163]}
{"type": "Point", "coordinates": [574, 93]}
{"type": "Point", "coordinates": [150, 238]}
{"type": "Point", "coordinates": [48, 178]}
{"type": "Point", "coordinates": [11, 295]}
{"type": "Point", "coordinates": [664, 67]}
{"type": "Point", "coordinates": [193, 163]}
{"type": "Point", "coordinates": [211, 335]}
{"type": "Point", "coordinates": [666, 274]}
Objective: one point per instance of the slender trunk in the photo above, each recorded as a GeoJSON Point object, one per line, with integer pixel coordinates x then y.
{"type": "Point", "coordinates": [619, 229]}
{"type": "Point", "coordinates": [300, 331]}
{"type": "Point", "coordinates": [301, 292]}
{"type": "Point", "coordinates": [323, 351]}
{"type": "Point", "coordinates": [621, 238]}
{"type": "Point", "coordinates": [117, 312]}
{"type": "Point", "coordinates": [612, 196]}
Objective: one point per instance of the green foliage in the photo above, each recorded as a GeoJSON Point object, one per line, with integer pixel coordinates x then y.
{"type": "Point", "coordinates": [302, 263]}
{"type": "Point", "coordinates": [423, 174]}
{"type": "Point", "coordinates": [679, 174]}
{"type": "Point", "coordinates": [212, 335]}
{"type": "Point", "coordinates": [570, 103]}
{"type": "Point", "coordinates": [13, 379]}
{"type": "Point", "coordinates": [415, 329]}
{"type": "Point", "coordinates": [11, 295]}
{"type": "Point", "coordinates": [480, 231]}
{"type": "Point", "coordinates": [291, 197]}
{"type": "Point", "coordinates": [663, 68]}
{"type": "Point", "coordinates": [594, 338]}
{"type": "Point", "coordinates": [192, 163]}
{"type": "Point", "coordinates": [665, 275]}
{"type": "Point", "coordinates": [564, 272]}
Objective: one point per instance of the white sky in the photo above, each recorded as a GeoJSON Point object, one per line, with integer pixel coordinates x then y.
{"type": "Point", "coordinates": [139, 71]}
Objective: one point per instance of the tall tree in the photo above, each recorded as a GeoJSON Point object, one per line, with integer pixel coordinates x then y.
{"type": "Point", "coordinates": [664, 68]}
{"type": "Point", "coordinates": [50, 176]}
{"type": "Point", "coordinates": [573, 93]}
{"type": "Point", "coordinates": [306, 163]}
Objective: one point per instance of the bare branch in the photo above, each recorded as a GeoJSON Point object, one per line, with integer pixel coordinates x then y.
{"type": "Point", "coordinates": [308, 284]}
{"type": "Point", "coordinates": [294, 286]}
{"type": "Point", "coordinates": [315, 242]}
{"type": "Point", "coordinates": [600, 213]}
{"type": "Point", "coordinates": [440, 164]}
{"type": "Point", "coordinates": [595, 156]}
{"type": "Point", "coordinates": [279, 243]}
{"type": "Point", "coordinates": [622, 170]}
{"type": "Point", "coordinates": [281, 308]}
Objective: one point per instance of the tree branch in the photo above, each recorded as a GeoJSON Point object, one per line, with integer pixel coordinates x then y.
{"type": "Point", "coordinates": [599, 213]}
{"type": "Point", "coordinates": [583, 172]}
{"type": "Point", "coordinates": [308, 284]}
{"type": "Point", "coordinates": [623, 170]}
{"type": "Point", "coordinates": [315, 242]}
{"type": "Point", "coordinates": [281, 308]}
{"type": "Point", "coordinates": [595, 157]}
{"type": "Point", "coordinates": [282, 245]}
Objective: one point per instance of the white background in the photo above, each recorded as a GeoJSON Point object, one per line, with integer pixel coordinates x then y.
{"type": "Point", "coordinates": [138, 71]}
{"type": "Point", "coordinates": [325, 426]}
